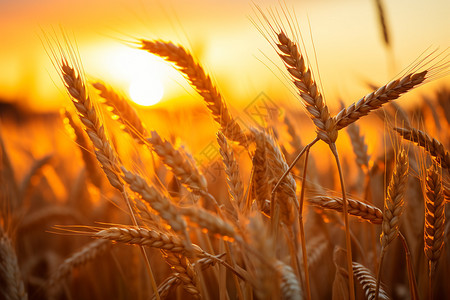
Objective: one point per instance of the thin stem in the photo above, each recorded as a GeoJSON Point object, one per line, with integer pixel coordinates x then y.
{"type": "Point", "coordinates": [302, 229]}
{"type": "Point", "coordinates": [292, 165]}
{"type": "Point", "coordinates": [147, 261]}
{"type": "Point", "coordinates": [431, 267]}
{"type": "Point", "coordinates": [377, 288]}
{"type": "Point", "coordinates": [347, 226]}
{"type": "Point", "coordinates": [411, 276]}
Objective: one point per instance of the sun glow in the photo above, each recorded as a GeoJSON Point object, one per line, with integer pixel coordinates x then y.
{"type": "Point", "coordinates": [146, 91]}
{"type": "Point", "coordinates": [143, 74]}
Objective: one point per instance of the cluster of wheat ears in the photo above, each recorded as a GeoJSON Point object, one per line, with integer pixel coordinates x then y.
{"type": "Point", "coordinates": [278, 235]}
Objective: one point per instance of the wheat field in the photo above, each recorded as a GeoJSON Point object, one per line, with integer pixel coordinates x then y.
{"type": "Point", "coordinates": [266, 212]}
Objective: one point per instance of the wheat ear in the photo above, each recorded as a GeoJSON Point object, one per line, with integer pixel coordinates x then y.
{"type": "Point", "coordinates": [356, 208]}
{"type": "Point", "coordinates": [79, 258]}
{"type": "Point", "coordinates": [151, 238]}
{"type": "Point", "coordinates": [166, 209]}
{"type": "Point", "coordinates": [308, 90]}
{"type": "Point", "coordinates": [185, 272]}
{"type": "Point", "coordinates": [10, 276]}
{"type": "Point", "coordinates": [430, 144]}
{"type": "Point", "coordinates": [393, 207]}
{"type": "Point", "coordinates": [173, 279]}
{"type": "Point", "coordinates": [104, 152]}
{"type": "Point", "coordinates": [289, 287]}
{"type": "Point", "coordinates": [235, 185]}
{"type": "Point", "coordinates": [89, 117]}
{"type": "Point", "coordinates": [359, 146]}
{"type": "Point", "coordinates": [125, 113]}
{"type": "Point", "coordinates": [376, 99]}
{"type": "Point", "coordinates": [285, 197]}
{"type": "Point", "coordinates": [90, 163]}
{"type": "Point", "coordinates": [434, 222]}
{"type": "Point", "coordinates": [260, 174]}
{"type": "Point", "coordinates": [180, 165]}
{"type": "Point", "coordinates": [208, 221]}
{"type": "Point", "coordinates": [368, 282]}
{"type": "Point", "coordinates": [202, 83]}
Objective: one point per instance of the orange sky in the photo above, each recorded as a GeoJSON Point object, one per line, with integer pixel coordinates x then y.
{"type": "Point", "coordinates": [346, 37]}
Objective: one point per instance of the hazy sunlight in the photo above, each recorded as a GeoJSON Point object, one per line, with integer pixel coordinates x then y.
{"type": "Point", "coordinates": [146, 91]}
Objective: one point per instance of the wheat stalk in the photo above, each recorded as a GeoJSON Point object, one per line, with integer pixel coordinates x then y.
{"type": "Point", "coordinates": [430, 144]}
{"type": "Point", "coordinates": [202, 83]}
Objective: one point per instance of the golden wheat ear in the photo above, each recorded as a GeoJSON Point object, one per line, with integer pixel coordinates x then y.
{"type": "Point", "coordinates": [435, 148]}
{"type": "Point", "coordinates": [434, 222]}
{"type": "Point", "coordinates": [202, 83]}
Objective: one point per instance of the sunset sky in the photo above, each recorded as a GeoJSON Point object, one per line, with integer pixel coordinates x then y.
{"type": "Point", "coordinates": [346, 36]}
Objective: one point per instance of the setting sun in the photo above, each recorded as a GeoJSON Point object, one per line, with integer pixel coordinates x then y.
{"type": "Point", "coordinates": [146, 91]}
{"type": "Point", "coordinates": [144, 76]}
